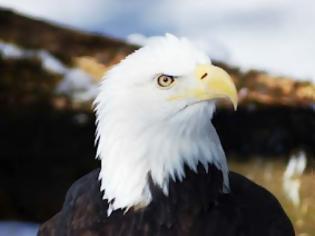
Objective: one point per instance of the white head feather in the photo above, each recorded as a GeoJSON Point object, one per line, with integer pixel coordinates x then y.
{"type": "Point", "coordinates": [139, 131]}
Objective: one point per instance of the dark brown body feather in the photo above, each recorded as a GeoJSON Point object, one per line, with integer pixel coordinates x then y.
{"type": "Point", "coordinates": [195, 206]}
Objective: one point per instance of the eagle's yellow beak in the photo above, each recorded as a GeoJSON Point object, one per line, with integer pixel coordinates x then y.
{"type": "Point", "coordinates": [215, 83]}
{"type": "Point", "coordinates": [211, 82]}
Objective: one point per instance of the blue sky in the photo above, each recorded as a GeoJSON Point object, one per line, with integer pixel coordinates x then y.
{"type": "Point", "coordinates": [274, 35]}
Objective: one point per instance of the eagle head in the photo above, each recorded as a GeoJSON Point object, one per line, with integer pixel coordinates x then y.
{"type": "Point", "coordinates": [154, 113]}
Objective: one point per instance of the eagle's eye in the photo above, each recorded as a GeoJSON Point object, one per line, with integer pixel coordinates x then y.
{"type": "Point", "coordinates": [165, 81]}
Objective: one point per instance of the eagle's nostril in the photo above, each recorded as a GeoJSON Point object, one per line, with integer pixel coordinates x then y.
{"type": "Point", "coordinates": [204, 76]}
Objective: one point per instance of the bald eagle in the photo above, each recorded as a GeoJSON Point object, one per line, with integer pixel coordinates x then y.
{"type": "Point", "coordinates": [163, 170]}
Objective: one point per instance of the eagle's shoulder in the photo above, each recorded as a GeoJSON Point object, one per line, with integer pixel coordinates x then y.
{"type": "Point", "coordinates": [259, 206]}
{"type": "Point", "coordinates": [82, 209]}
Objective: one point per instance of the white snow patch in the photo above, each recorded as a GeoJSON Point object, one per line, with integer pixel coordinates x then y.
{"type": "Point", "coordinates": [51, 63]}
{"type": "Point", "coordinates": [10, 51]}
{"type": "Point", "coordinates": [76, 83]}
{"type": "Point", "coordinates": [291, 182]}
{"type": "Point", "coordinates": [14, 228]}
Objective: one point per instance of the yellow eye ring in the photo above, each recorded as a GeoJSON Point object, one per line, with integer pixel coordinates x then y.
{"type": "Point", "coordinates": [165, 81]}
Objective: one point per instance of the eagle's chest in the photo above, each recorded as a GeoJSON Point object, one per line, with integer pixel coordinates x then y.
{"type": "Point", "coordinates": [191, 207]}
{"type": "Point", "coordinates": [186, 209]}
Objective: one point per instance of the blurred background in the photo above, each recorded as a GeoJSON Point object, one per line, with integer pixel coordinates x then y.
{"type": "Point", "coordinates": [53, 54]}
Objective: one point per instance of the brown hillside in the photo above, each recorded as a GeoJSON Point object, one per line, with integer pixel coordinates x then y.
{"type": "Point", "coordinates": [95, 53]}
{"type": "Point", "coordinates": [63, 42]}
